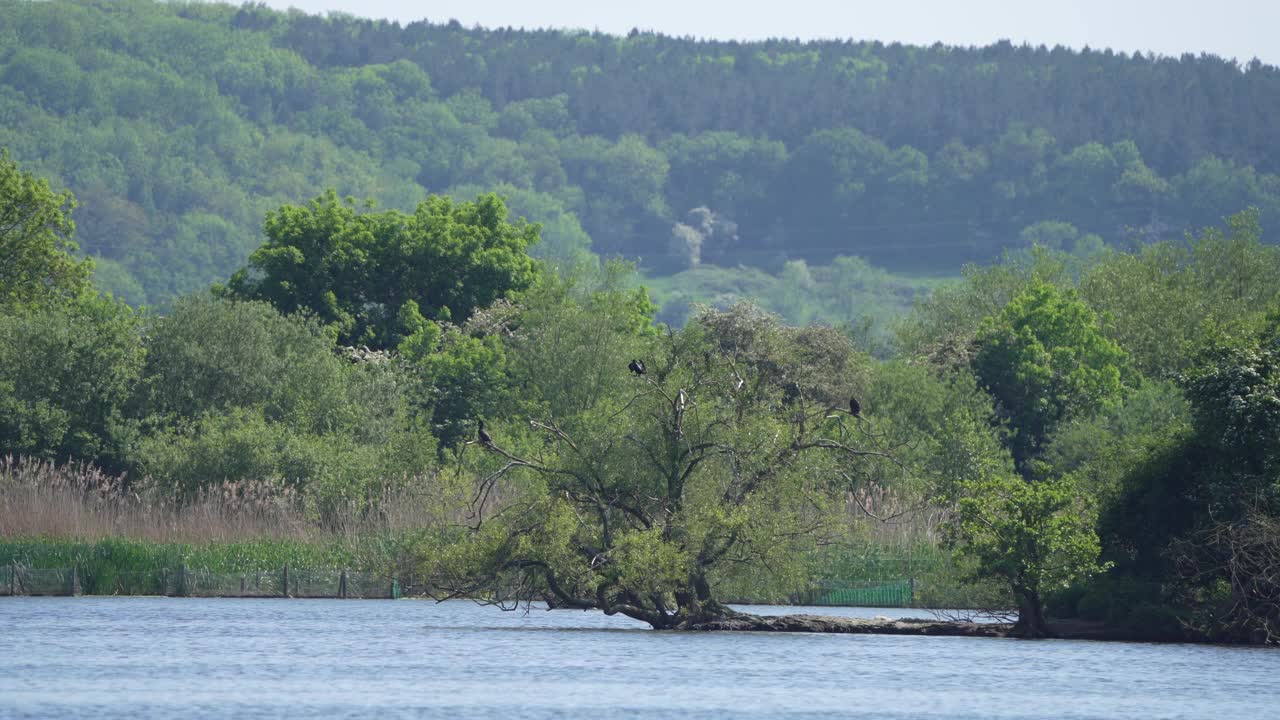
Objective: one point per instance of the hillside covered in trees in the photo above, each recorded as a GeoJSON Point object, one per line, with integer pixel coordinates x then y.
{"type": "Point", "coordinates": [179, 126]}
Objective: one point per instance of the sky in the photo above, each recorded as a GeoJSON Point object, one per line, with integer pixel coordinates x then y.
{"type": "Point", "coordinates": [1240, 29]}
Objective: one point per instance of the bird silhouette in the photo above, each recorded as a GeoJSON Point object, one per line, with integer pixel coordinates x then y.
{"type": "Point", "coordinates": [637, 367]}
{"type": "Point", "coordinates": [484, 436]}
{"type": "Point", "coordinates": [854, 407]}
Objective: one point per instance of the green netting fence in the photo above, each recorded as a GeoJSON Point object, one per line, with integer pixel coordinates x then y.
{"type": "Point", "coordinates": [188, 582]}
{"type": "Point", "coordinates": [16, 580]}
{"type": "Point", "coordinates": [893, 593]}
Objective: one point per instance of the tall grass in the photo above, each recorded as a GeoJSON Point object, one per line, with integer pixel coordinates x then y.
{"type": "Point", "coordinates": [74, 515]}
{"type": "Point", "coordinates": [891, 536]}
{"type": "Point", "coordinates": [883, 536]}
{"type": "Point", "coordinates": [79, 501]}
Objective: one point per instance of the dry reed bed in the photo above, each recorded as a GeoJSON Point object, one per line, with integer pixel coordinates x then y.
{"type": "Point", "coordinates": [56, 511]}
{"type": "Point", "coordinates": [38, 498]}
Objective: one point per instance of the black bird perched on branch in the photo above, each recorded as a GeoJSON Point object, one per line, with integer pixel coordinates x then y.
{"type": "Point", "coordinates": [484, 436]}
{"type": "Point", "coordinates": [637, 367]}
{"type": "Point", "coordinates": [854, 407]}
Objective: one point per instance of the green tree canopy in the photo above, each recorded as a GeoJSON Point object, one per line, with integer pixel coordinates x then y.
{"type": "Point", "coordinates": [1234, 391]}
{"type": "Point", "coordinates": [1196, 517]}
{"type": "Point", "coordinates": [1044, 359]}
{"type": "Point", "coordinates": [209, 356]}
{"type": "Point", "coordinates": [364, 272]}
{"type": "Point", "coordinates": [1034, 536]}
{"type": "Point", "coordinates": [631, 501]}
{"type": "Point", "coordinates": [38, 259]}
{"type": "Point", "coordinates": [1160, 298]}
{"type": "Point", "coordinates": [233, 390]}
{"type": "Point", "coordinates": [68, 373]}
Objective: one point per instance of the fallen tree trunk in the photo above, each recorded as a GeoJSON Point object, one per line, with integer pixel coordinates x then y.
{"type": "Point", "coordinates": [828, 624]}
{"type": "Point", "coordinates": [1062, 629]}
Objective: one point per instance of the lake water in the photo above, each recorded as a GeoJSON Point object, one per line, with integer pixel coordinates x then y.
{"type": "Point", "coordinates": [209, 658]}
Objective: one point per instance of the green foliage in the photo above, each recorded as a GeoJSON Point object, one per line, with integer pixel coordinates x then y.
{"type": "Point", "coordinates": [38, 262]}
{"type": "Point", "coordinates": [358, 270]}
{"type": "Point", "coordinates": [1030, 538]}
{"type": "Point", "coordinates": [102, 560]}
{"type": "Point", "coordinates": [626, 179]}
{"type": "Point", "coordinates": [1196, 512]}
{"type": "Point", "coordinates": [235, 391]}
{"type": "Point", "coordinates": [943, 325]}
{"type": "Point", "coordinates": [1055, 235]}
{"type": "Point", "coordinates": [1159, 299]}
{"type": "Point", "coordinates": [1044, 360]}
{"type": "Point", "coordinates": [722, 454]}
{"type": "Point", "coordinates": [209, 355]}
{"type": "Point", "coordinates": [339, 475]}
{"type": "Point", "coordinates": [1171, 466]}
{"type": "Point", "coordinates": [198, 456]}
{"type": "Point", "coordinates": [563, 244]}
{"type": "Point", "coordinates": [940, 426]}
{"type": "Point", "coordinates": [1234, 391]}
{"type": "Point", "coordinates": [731, 460]}
{"type": "Point", "coordinates": [67, 375]}
{"type": "Point", "coordinates": [1035, 536]}
{"type": "Point", "coordinates": [1101, 449]}
{"type": "Point", "coordinates": [464, 376]}
{"type": "Point", "coordinates": [574, 335]}
{"type": "Point", "coordinates": [1137, 606]}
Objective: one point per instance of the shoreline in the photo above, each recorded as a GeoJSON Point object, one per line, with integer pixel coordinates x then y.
{"type": "Point", "coordinates": [1070, 629]}
{"type": "Point", "coordinates": [810, 623]}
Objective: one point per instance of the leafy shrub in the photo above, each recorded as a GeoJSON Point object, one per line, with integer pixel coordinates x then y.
{"type": "Point", "coordinates": [67, 373]}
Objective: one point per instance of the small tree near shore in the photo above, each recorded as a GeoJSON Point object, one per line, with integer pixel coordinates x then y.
{"type": "Point", "coordinates": [1033, 536]}
{"type": "Point", "coordinates": [1044, 360]}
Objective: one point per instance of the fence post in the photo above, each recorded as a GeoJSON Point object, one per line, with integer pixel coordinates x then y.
{"type": "Point", "coordinates": [75, 580]}
{"type": "Point", "coordinates": [342, 584]}
{"type": "Point", "coordinates": [180, 587]}
{"type": "Point", "coordinates": [13, 578]}
{"type": "Point", "coordinates": [284, 575]}
{"type": "Point", "coordinates": [395, 588]}
{"type": "Point", "coordinates": [912, 585]}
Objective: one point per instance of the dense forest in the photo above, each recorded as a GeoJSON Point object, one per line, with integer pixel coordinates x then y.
{"type": "Point", "coordinates": [1092, 437]}
{"type": "Point", "coordinates": [723, 168]}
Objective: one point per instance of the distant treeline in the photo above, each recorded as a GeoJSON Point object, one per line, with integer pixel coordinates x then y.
{"type": "Point", "coordinates": [179, 125]}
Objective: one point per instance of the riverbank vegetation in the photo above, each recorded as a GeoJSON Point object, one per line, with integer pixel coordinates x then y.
{"type": "Point", "coordinates": [180, 125]}
{"type": "Point", "coordinates": [1091, 437]}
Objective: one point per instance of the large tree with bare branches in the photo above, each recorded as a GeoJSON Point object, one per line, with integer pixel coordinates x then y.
{"type": "Point", "coordinates": [734, 447]}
